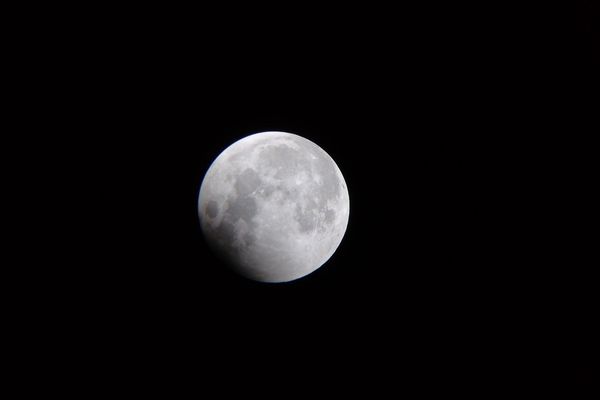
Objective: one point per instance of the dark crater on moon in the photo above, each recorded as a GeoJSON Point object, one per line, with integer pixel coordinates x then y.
{"type": "Point", "coordinates": [212, 209]}
{"type": "Point", "coordinates": [329, 216]}
{"type": "Point", "coordinates": [247, 182]}
{"type": "Point", "coordinates": [242, 207]}
{"type": "Point", "coordinates": [306, 218]}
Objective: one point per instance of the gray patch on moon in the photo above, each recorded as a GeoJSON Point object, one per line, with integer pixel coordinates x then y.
{"type": "Point", "coordinates": [331, 185]}
{"type": "Point", "coordinates": [222, 237]}
{"type": "Point", "coordinates": [329, 216]}
{"type": "Point", "coordinates": [247, 182]}
{"type": "Point", "coordinates": [326, 220]}
{"type": "Point", "coordinates": [212, 209]}
{"type": "Point", "coordinates": [242, 207]}
{"type": "Point", "coordinates": [249, 239]}
{"type": "Point", "coordinates": [306, 218]}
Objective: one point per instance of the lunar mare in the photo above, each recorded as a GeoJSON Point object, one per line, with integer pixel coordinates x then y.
{"type": "Point", "coordinates": [274, 206]}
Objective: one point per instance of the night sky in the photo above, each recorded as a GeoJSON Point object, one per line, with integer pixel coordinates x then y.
{"type": "Point", "coordinates": [446, 129]}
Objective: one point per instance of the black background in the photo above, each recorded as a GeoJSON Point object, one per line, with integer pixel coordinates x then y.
{"type": "Point", "coordinates": [445, 124]}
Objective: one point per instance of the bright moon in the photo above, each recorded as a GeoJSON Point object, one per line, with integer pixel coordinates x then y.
{"type": "Point", "coordinates": [274, 206]}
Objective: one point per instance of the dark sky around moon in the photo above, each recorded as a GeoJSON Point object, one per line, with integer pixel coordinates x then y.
{"type": "Point", "coordinates": [447, 128]}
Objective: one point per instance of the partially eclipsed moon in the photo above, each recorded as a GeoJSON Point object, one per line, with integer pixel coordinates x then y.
{"type": "Point", "coordinates": [274, 206]}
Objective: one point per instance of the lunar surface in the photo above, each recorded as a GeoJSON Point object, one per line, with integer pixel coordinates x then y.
{"type": "Point", "coordinates": [274, 206]}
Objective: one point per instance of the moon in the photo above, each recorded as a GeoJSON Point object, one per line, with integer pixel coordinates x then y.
{"type": "Point", "coordinates": [274, 206]}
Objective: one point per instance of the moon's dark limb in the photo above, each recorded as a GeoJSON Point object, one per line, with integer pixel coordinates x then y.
{"type": "Point", "coordinates": [274, 206]}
